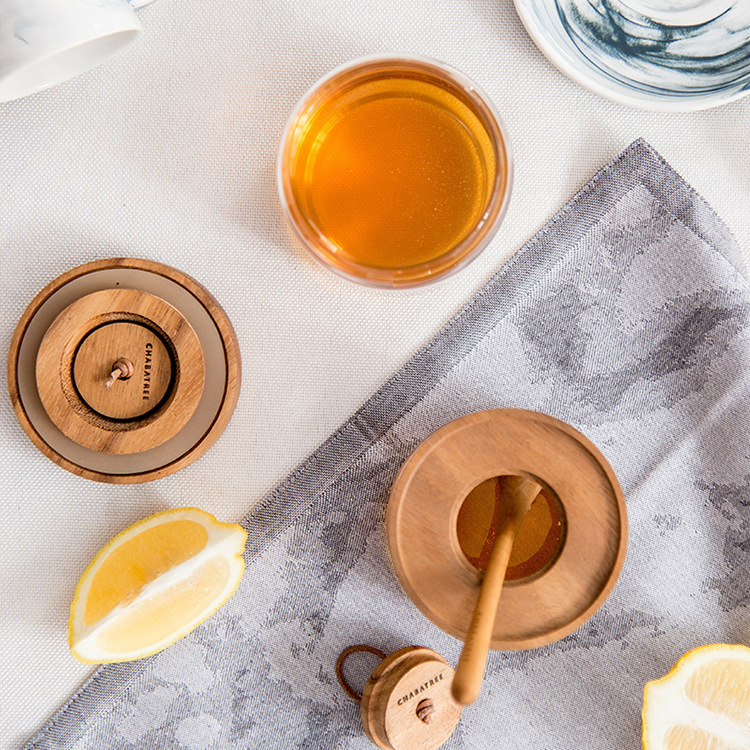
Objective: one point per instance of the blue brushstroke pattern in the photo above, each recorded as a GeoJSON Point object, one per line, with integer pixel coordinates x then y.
{"type": "Point", "coordinates": [644, 56]}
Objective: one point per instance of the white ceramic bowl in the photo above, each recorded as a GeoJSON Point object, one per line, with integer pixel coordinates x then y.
{"type": "Point", "coordinates": [665, 55]}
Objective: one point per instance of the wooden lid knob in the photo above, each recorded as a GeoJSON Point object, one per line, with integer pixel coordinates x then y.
{"type": "Point", "coordinates": [120, 371]}
{"type": "Point", "coordinates": [407, 702]}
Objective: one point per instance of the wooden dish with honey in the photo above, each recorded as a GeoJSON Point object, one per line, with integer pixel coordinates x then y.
{"type": "Point", "coordinates": [567, 553]}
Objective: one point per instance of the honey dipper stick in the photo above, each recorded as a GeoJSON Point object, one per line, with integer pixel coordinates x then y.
{"type": "Point", "coordinates": [517, 495]}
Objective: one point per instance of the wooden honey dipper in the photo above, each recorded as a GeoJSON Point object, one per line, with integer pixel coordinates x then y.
{"type": "Point", "coordinates": [517, 494]}
{"type": "Point", "coordinates": [442, 521]}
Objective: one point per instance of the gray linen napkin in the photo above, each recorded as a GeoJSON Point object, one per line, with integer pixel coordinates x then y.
{"type": "Point", "coordinates": [626, 317]}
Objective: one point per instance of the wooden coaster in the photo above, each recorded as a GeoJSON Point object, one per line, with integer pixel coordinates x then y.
{"type": "Point", "coordinates": [124, 370]}
{"type": "Point", "coordinates": [579, 485]}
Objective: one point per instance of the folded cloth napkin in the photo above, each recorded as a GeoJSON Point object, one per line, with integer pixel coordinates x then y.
{"type": "Point", "coordinates": [625, 317]}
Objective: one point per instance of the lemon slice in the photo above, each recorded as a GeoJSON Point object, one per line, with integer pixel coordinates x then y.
{"type": "Point", "coordinates": [702, 704]}
{"type": "Point", "coordinates": [153, 583]}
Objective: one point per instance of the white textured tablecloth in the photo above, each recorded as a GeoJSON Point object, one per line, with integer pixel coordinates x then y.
{"type": "Point", "coordinates": [168, 153]}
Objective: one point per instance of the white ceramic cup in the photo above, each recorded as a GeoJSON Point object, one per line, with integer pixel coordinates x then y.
{"type": "Point", "coordinates": [45, 42]}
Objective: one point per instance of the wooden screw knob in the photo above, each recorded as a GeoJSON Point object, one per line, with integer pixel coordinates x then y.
{"type": "Point", "coordinates": [121, 370]}
{"type": "Point", "coordinates": [425, 709]}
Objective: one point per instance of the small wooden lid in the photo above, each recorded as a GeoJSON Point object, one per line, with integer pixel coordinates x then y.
{"type": "Point", "coordinates": [407, 702]}
{"type": "Point", "coordinates": [423, 518]}
{"type": "Point", "coordinates": [124, 370]}
{"type": "Point", "coordinates": [161, 375]}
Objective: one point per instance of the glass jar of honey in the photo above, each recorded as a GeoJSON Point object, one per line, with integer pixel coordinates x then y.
{"type": "Point", "coordinates": [394, 171]}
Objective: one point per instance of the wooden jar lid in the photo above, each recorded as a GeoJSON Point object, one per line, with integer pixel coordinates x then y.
{"type": "Point", "coordinates": [407, 702]}
{"type": "Point", "coordinates": [433, 484]}
{"type": "Point", "coordinates": [138, 410]}
{"type": "Point", "coordinates": [124, 370]}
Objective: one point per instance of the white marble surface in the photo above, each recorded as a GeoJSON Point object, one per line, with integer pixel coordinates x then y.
{"type": "Point", "coordinates": [167, 152]}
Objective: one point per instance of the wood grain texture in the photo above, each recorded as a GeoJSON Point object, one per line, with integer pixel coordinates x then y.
{"type": "Point", "coordinates": [399, 688]}
{"type": "Point", "coordinates": [516, 496]}
{"type": "Point", "coordinates": [124, 323]}
{"type": "Point", "coordinates": [108, 358]}
{"type": "Point", "coordinates": [213, 424]}
{"type": "Point", "coordinates": [428, 493]}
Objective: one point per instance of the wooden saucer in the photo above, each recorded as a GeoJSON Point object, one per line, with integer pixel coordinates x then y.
{"type": "Point", "coordinates": [432, 486]}
{"type": "Point", "coordinates": [124, 370]}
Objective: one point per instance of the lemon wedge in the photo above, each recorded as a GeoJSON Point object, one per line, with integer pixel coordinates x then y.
{"type": "Point", "coordinates": [702, 704]}
{"type": "Point", "coordinates": [154, 583]}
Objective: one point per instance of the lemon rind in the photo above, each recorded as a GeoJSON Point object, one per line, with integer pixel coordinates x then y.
{"type": "Point", "coordinates": [676, 709]}
{"type": "Point", "coordinates": [224, 540]}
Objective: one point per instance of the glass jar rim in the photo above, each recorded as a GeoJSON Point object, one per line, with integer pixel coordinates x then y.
{"type": "Point", "coordinates": [470, 245]}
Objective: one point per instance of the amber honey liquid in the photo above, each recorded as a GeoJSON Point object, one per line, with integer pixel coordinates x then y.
{"type": "Point", "coordinates": [536, 544]}
{"type": "Point", "coordinates": [394, 169]}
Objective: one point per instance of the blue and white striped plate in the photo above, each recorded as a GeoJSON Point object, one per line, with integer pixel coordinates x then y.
{"type": "Point", "coordinates": [668, 55]}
